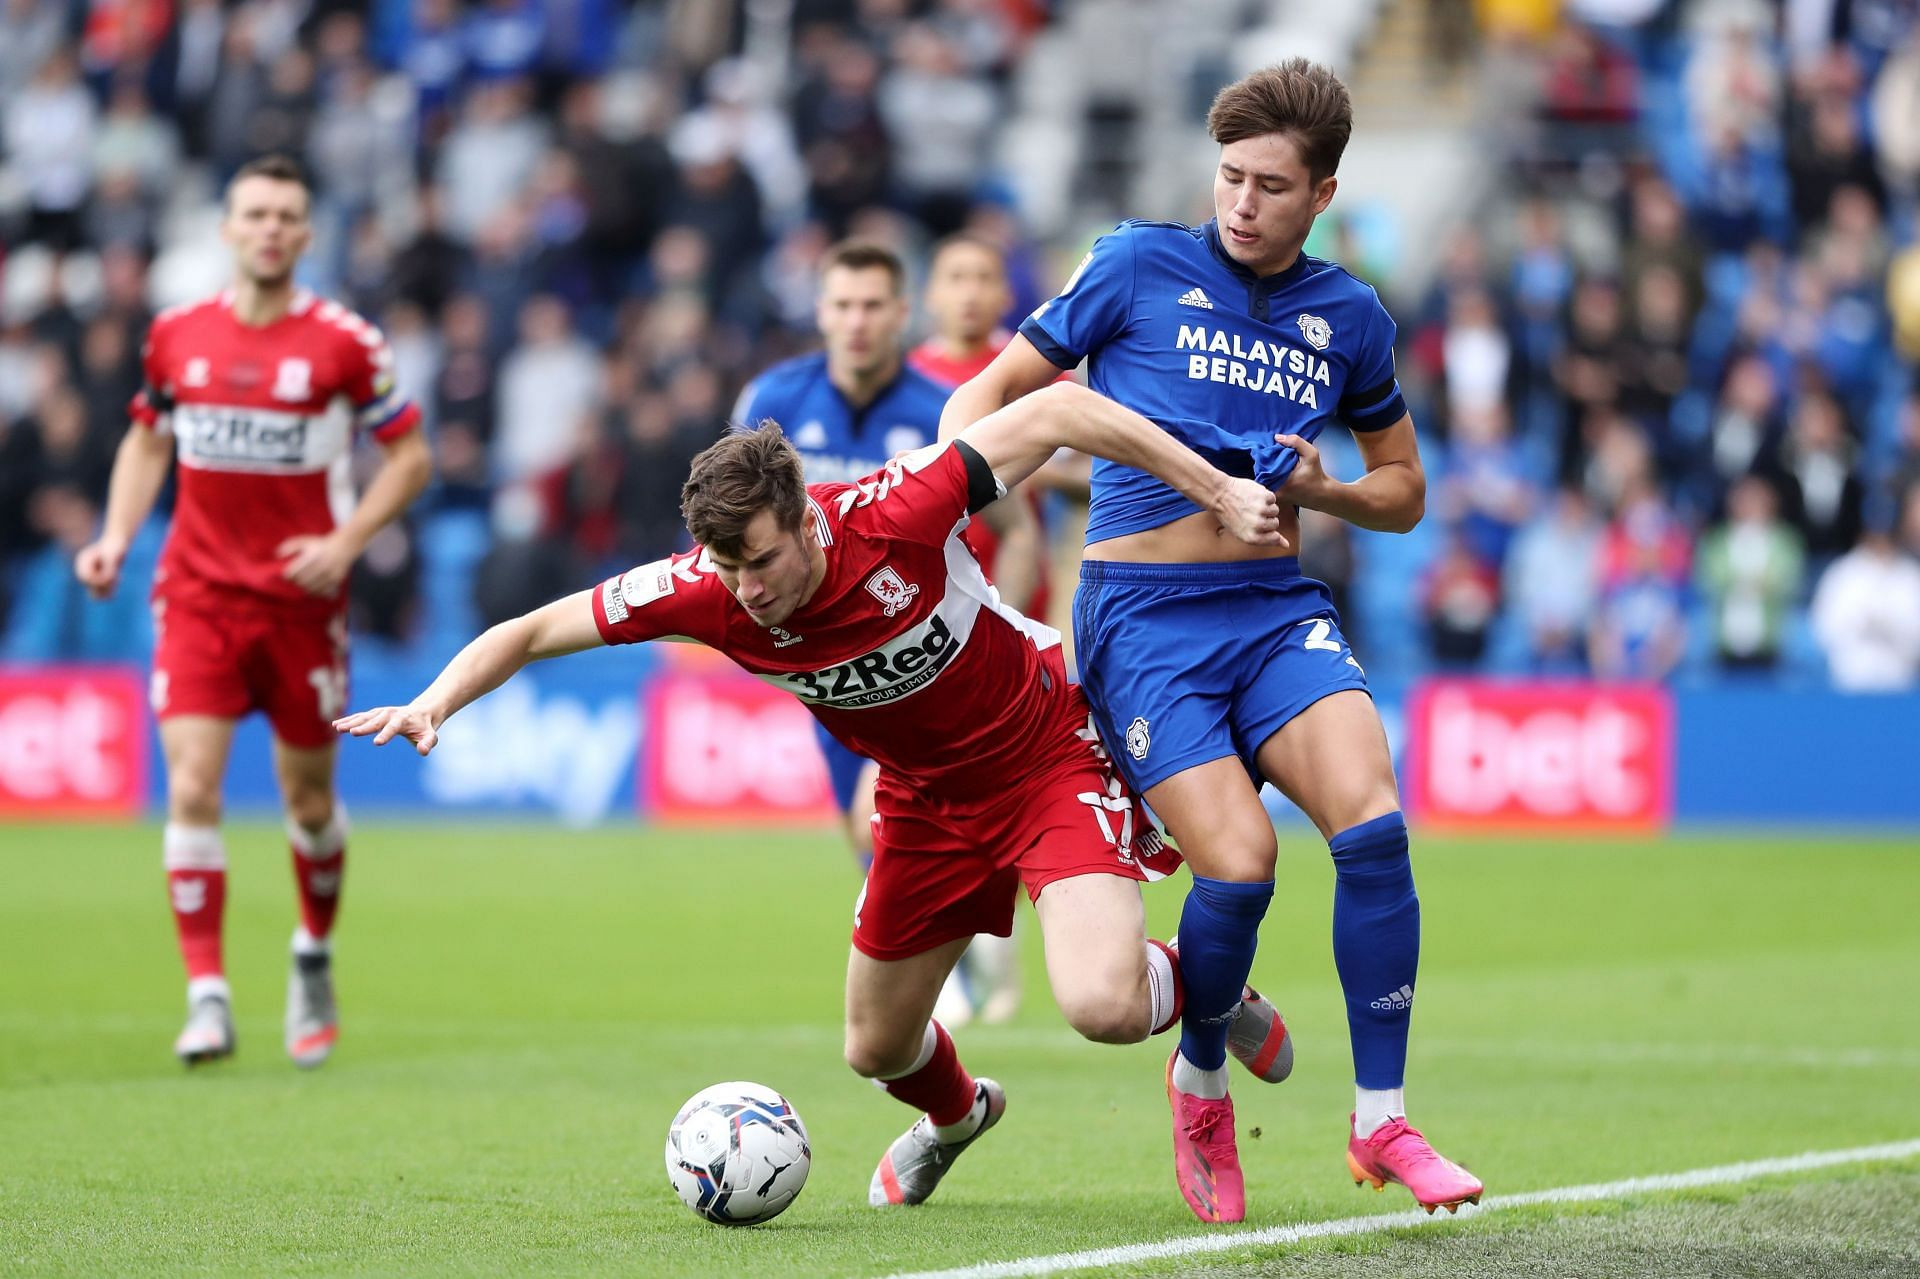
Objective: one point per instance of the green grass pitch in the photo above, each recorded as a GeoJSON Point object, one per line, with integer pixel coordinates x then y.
{"type": "Point", "coordinates": [524, 1009]}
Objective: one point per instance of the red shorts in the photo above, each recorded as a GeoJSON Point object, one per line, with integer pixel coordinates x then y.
{"type": "Point", "coordinates": [947, 872]}
{"type": "Point", "coordinates": [231, 661]}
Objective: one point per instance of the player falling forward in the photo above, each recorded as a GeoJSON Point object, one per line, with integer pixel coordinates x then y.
{"type": "Point", "coordinates": [1212, 666]}
{"type": "Point", "coordinates": [848, 409]}
{"type": "Point", "coordinates": [260, 392]}
{"type": "Point", "coordinates": [862, 600]}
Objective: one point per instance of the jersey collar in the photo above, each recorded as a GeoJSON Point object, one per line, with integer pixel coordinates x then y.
{"type": "Point", "coordinates": [1264, 284]}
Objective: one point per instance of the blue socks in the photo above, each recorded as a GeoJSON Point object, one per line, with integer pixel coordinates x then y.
{"type": "Point", "coordinates": [1219, 929]}
{"type": "Point", "coordinates": [1376, 945]}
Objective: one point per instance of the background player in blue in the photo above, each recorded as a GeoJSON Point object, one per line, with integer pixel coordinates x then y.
{"type": "Point", "coordinates": [1213, 666]}
{"type": "Point", "coordinates": [849, 409]}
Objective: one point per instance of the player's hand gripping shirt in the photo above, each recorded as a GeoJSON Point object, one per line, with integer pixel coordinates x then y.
{"type": "Point", "coordinates": [837, 442]}
{"type": "Point", "coordinates": [904, 653]}
{"type": "Point", "coordinates": [263, 420]}
{"type": "Point", "coordinates": [1175, 329]}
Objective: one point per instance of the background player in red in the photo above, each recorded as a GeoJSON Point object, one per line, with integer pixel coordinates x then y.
{"type": "Point", "coordinates": [260, 392]}
{"type": "Point", "coordinates": [862, 600]}
{"type": "Point", "coordinates": [967, 295]}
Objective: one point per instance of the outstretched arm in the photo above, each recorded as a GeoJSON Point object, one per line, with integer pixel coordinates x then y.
{"type": "Point", "coordinates": [553, 630]}
{"type": "Point", "coordinates": [1018, 439]}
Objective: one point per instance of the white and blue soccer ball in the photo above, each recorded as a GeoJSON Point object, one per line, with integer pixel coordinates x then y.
{"type": "Point", "coordinates": [737, 1154]}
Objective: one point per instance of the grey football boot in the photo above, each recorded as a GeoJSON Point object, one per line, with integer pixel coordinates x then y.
{"type": "Point", "coordinates": [917, 1160]}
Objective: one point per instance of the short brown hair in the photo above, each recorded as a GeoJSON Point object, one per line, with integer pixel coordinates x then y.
{"type": "Point", "coordinates": [1299, 98]}
{"type": "Point", "coordinates": [968, 240]}
{"type": "Point", "coordinates": [749, 470]}
{"type": "Point", "coordinates": [865, 255]}
{"type": "Point", "coordinates": [277, 166]}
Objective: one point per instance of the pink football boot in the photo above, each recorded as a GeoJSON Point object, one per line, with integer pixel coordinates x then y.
{"type": "Point", "coordinates": [1205, 1160]}
{"type": "Point", "coordinates": [1397, 1152]}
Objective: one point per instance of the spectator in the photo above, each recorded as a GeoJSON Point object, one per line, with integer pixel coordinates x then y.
{"type": "Point", "coordinates": [1459, 599]}
{"type": "Point", "coordinates": [1828, 153]}
{"type": "Point", "coordinates": [489, 158]}
{"type": "Point", "coordinates": [427, 269]}
{"type": "Point", "coordinates": [1745, 432]}
{"type": "Point", "coordinates": [841, 136]}
{"type": "Point", "coordinates": [1751, 573]}
{"type": "Point", "coordinates": [1639, 629]}
{"type": "Point", "coordinates": [549, 389]}
{"type": "Point", "coordinates": [1588, 370]}
{"type": "Point", "coordinates": [938, 119]}
{"type": "Point", "coordinates": [1476, 358]}
{"type": "Point", "coordinates": [462, 397]}
{"type": "Point", "coordinates": [1659, 238]}
{"type": "Point", "coordinates": [1552, 583]}
{"type": "Point", "coordinates": [1823, 494]}
{"type": "Point", "coordinates": [187, 69]}
{"type": "Point", "coordinates": [1485, 493]}
{"type": "Point", "coordinates": [50, 129]}
{"type": "Point", "coordinates": [655, 451]}
{"type": "Point", "coordinates": [1866, 617]}
{"type": "Point", "coordinates": [627, 179]}
{"type": "Point", "coordinates": [30, 33]}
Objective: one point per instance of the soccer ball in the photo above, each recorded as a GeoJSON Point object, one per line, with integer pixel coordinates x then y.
{"type": "Point", "coordinates": [737, 1154]}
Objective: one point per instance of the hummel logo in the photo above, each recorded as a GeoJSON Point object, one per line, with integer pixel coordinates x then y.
{"type": "Point", "coordinates": [1194, 297]}
{"type": "Point", "coordinates": [1399, 999]}
{"type": "Point", "coordinates": [782, 638]}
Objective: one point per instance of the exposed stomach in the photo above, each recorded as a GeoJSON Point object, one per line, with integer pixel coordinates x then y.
{"type": "Point", "coordinates": [1198, 538]}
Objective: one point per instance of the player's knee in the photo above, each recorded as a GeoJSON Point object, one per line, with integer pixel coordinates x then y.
{"type": "Point", "coordinates": [310, 807]}
{"type": "Point", "coordinates": [193, 798]}
{"type": "Point", "coordinates": [1241, 855]}
{"type": "Point", "coordinates": [873, 1056]}
{"type": "Point", "coordinates": [1112, 1013]}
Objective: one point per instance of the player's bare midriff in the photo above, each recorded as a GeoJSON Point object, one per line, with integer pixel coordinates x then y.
{"type": "Point", "coordinates": [1199, 538]}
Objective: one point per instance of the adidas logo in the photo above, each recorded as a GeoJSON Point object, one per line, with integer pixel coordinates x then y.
{"type": "Point", "coordinates": [1399, 999]}
{"type": "Point", "coordinates": [1194, 297]}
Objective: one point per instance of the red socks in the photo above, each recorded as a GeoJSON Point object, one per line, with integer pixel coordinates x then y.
{"type": "Point", "coordinates": [936, 1082]}
{"type": "Point", "coordinates": [196, 862]}
{"type": "Point", "coordinates": [319, 862]}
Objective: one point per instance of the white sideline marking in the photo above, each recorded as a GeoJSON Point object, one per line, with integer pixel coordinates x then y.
{"type": "Point", "coordinates": [1232, 1240]}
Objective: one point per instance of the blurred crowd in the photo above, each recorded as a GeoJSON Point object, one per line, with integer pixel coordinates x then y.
{"type": "Point", "coordinates": [583, 224]}
{"type": "Point", "coordinates": [1668, 384]}
{"type": "Point", "coordinates": [1665, 383]}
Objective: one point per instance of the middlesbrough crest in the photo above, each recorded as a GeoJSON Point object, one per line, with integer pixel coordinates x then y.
{"type": "Point", "coordinates": [893, 592]}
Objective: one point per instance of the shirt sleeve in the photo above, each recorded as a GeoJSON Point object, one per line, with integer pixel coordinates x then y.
{"type": "Point", "coordinates": [922, 496]}
{"type": "Point", "coordinates": [673, 596]}
{"type": "Point", "coordinates": [152, 405]}
{"type": "Point", "coordinates": [1373, 401]}
{"type": "Point", "coordinates": [378, 406]}
{"type": "Point", "coordinates": [1094, 307]}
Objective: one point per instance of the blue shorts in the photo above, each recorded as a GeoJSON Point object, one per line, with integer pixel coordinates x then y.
{"type": "Point", "coordinates": [843, 767]}
{"type": "Point", "coordinates": [1188, 663]}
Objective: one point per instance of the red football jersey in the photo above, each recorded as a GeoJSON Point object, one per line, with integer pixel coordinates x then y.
{"type": "Point", "coordinates": [263, 420]}
{"type": "Point", "coordinates": [943, 368]}
{"type": "Point", "coordinates": [904, 653]}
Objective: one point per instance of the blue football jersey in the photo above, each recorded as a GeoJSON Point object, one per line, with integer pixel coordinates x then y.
{"type": "Point", "coordinates": [837, 442]}
{"type": "Point", "coordinates": [1175, 329]}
